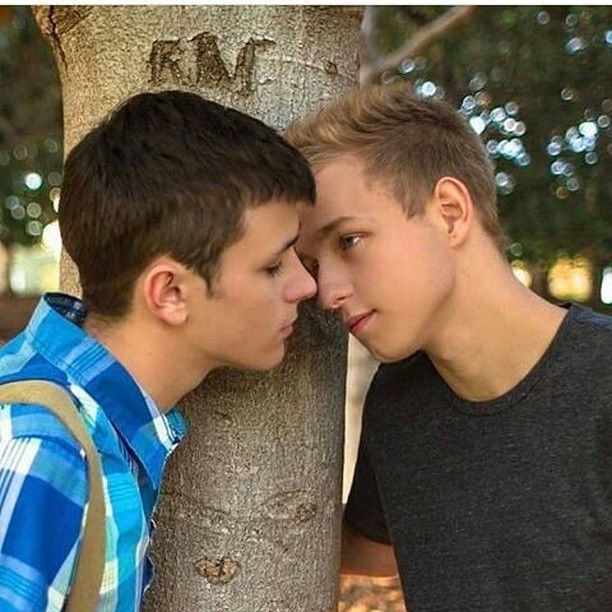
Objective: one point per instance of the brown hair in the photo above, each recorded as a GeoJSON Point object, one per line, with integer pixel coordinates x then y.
{"type": "Point", "coordinates": [168, 173]}
{"type": "Point", "coordinates": [405, 142]}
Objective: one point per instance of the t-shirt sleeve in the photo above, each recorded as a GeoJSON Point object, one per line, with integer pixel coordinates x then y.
{"type": "Point", "coordinates": [363, 510]}
{"type": "Point", "coordinates": [43, 492]}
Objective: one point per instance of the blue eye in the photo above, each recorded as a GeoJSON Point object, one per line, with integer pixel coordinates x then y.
{"type": "Point", "coordinates": [349, 241]}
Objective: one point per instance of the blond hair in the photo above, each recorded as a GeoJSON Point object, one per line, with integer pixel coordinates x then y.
{"type": "Point", "coordinates": [406, 143]}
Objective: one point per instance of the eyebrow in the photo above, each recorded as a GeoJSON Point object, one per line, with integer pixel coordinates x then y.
{"type": "Point", "coordinates": [329, 228]}
{"type": "Point", "coordinates": [285, 247]}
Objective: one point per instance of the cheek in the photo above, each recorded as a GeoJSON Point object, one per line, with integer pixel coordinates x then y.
{"type": "Point", "coordinates": [413, 278]}
{"type": "Point", "coordinates": [253, 308]}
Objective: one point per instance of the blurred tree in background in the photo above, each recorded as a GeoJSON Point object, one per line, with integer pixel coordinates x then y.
{"type": "Point", "coordinates": [30, 130]}
{"type": "Point", "coordinates": [535, 83]}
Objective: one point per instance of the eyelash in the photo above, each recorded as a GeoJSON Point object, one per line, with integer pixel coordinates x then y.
{"type": "Point", "coordinates": [275, 270]}
{"type": "Point", "coordinates": [345, 243]}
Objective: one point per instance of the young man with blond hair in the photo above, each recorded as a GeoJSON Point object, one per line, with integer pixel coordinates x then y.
{"type": "Point", "coordinates": [483, 473]}
{"type": "Point", "coordinates": [180, 215]}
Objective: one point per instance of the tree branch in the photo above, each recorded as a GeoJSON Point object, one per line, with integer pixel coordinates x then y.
{"type": "Point", "coordinates": [422, 39]}
{"type": "Point", "coordinates": [368, 56]}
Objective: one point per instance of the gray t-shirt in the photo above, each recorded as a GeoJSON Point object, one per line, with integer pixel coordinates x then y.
{"type": "Point", "coordinates": [498, 505]}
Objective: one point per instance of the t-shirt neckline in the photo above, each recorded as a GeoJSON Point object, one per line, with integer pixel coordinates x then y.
{"type": "Point", "coordinates": [527, 383]}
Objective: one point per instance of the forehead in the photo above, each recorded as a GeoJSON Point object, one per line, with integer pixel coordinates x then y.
{"type": "Point", "coordinates": [266, 227]}
{"type": "Point", "coordinates": [345, 190]}
{"type": "Point", "coordinates": [340, 179]}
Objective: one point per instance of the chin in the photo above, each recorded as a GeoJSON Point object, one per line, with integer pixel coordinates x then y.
{"type": "Point", "coordinates": [390, 354]}
{"type": "Point", "coordinates": [263, 363]}
{"type": "Point", "coordinates": [384, 357]}
{"type": "Point", "coordinates": [274, 362]}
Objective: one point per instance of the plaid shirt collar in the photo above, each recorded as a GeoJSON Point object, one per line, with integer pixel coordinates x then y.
{"type": "Point", "coordinates": [55, 331]}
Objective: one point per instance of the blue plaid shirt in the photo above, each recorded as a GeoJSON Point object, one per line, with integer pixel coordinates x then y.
{"type": "Point", "coordinates": [43, 477]}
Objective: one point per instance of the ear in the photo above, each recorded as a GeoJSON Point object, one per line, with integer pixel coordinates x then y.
{"type": "Point", "coordinates": [453, 203]}
{"type": "Point", "coordinates": [165, 288]}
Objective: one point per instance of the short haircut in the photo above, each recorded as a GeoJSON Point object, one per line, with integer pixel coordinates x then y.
{"type": "Point", "coordinates": [168, 173]}
{"type": "Point", "coordinates": [406, 143]}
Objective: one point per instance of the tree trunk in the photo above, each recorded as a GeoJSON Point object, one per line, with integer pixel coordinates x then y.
{"type": "Point", "coordinates": [249, 517]}
{"type": "Point", "coordinates": [6, 253]}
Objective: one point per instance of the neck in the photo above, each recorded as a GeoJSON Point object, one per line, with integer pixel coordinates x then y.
{"type": "Point", "coordinates": [166, 375]}
{"type": "Point", "coordinates": [494, 331]}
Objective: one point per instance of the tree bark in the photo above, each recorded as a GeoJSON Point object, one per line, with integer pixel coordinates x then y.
{"type": "Point", "coordinates": [249, 516]}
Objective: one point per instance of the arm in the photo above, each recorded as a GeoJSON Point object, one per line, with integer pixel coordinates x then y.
{"type": "Point", "coordinates": [365, 557]}
{"type": "Point", "coordinates": [366, 548]}
{"type": "Point", "coordinates": [43, 491]}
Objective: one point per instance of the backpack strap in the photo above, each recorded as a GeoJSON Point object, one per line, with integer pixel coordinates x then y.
{"type": "Point", "coordinates": [85, 591]}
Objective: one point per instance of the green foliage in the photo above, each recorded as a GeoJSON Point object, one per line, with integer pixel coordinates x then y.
{"type": "Point", "coordinates": [547, 69]}
{"type": "Point", "coordinates": [535, 82]}
{"type": "Point", "coordinates": [30, 129]}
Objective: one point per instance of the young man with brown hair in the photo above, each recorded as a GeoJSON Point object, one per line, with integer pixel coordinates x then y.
{"type": "Point", "coordinates": [180, 216]}
{"type": "Point", "coordinates": [483, 472]}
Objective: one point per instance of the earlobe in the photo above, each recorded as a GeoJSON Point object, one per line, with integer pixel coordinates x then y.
{"type": "Point", "coordinates": [456, 208]}
{"type": "Point", "coordinates": [165, 292]}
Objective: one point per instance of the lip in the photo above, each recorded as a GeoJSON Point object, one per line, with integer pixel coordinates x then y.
{"type": "Point", "coordinates": [287, 330]}
{"type": "Point", "coordinates": [357, 322]}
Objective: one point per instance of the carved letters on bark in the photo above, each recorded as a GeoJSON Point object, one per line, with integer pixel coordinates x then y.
{"type": "Point", "coordinates": [55, 21]}
{"type": "Point", "coordinates": [197, 63]}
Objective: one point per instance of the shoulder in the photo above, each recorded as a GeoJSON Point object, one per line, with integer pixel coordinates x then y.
{"type": "Point", "coordinates": [591, 338]}
{"type": "Point", "coordinates": [19, 421]}
{"type": "Point", "coordinates": [36, 447]}
{"type": "Point", "coordinates": [41, 458]}
{"type": "Point", "coordinates": [596, 323]}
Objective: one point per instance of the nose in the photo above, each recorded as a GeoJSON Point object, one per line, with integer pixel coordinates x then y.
{"type": "Point", "coordinates": [334, 290]}
{"type": "Point", "coordinates": [301, 286]}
